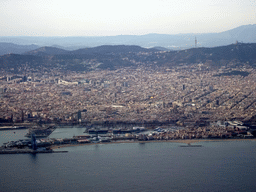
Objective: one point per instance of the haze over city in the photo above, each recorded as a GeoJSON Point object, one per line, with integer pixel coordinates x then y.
{"type": "Point", "coordinates": [107, 18]}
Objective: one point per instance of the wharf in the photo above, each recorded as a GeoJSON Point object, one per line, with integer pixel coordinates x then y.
{"type": "Point", "coordinates": [13, 128]}
{"type": "Point", "coordinates": [17, 151]}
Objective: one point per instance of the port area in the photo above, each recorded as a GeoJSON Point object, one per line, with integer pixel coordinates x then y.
{"type": "Point", "coordinates": [38, 138]}
{"type": "Point", "coordinates": [16, 148]}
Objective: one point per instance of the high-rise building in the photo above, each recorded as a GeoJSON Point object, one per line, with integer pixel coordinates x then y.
{"type": "Point", "coordinates": [125, 84]}
{"type": "Point", "coordinates": [183, 87]}
{"type": "Point", "coordinates": [79, 115]}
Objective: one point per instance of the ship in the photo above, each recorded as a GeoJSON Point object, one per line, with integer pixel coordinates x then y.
{"type": "Point", "coordinates": [252, 130]}
{"type": "Point", "coordinates": [138, 129]}
{"type": "Point", "coordinates": [19, 127]}
{"type": "Point", "coordinates": [122, 131]}
{"type": "Point", "coordinates": [40, 132]}
{"type": "Point", "coordinates": [98, 131]}
{"type": "Point", "coordinates": [189, 145]}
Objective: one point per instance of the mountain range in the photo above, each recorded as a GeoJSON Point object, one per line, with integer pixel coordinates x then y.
{"type": "Point", "coordinates": [103, 49]}
{"type": "Point", "coordinates": [22, 44]}
{"type": "Point", "coordinates": [6, 48]}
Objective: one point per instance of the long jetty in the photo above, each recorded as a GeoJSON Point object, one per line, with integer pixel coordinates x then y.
{"type": "Point", "coordinates": [21, 151]}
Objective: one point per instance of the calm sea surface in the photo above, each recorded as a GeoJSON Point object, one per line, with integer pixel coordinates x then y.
{"type": "Point", "coordinates": [216, 166]}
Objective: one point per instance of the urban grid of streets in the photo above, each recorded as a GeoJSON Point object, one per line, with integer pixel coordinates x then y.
{"type": "Point", "coordinates": [187, 93]}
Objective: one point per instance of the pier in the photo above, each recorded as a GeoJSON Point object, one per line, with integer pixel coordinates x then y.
{"type": "Point", "coordinates": [24, 151]}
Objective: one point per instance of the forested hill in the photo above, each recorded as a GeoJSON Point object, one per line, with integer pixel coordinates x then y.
{"type": "Point", "coordinates": [118, 56]}
{"type": "Point", "coordinates": [239, 52]}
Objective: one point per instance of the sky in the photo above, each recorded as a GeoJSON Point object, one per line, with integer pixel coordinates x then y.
{"type": "Point", "coordinates": [122, 17]}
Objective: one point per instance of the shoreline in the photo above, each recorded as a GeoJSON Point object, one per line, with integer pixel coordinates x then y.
{"type": "Point", "coordinates": [187, 141]}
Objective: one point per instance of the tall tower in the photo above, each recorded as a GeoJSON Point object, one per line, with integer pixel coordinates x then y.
{"type": "Point", "coordinates": [195, 42]}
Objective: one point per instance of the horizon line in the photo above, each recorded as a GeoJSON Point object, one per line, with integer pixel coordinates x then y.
{"type": "Point", "coordinates": [63, 36]}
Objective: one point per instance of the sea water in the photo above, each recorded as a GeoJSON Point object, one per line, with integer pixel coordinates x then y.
{"type": "Point", "coordinates": [163, 166]}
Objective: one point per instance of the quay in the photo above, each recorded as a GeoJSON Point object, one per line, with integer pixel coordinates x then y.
{"type": "Point", "coordinates": [21, 151]}
{"type": "Point", "coordinates": [13, 128]}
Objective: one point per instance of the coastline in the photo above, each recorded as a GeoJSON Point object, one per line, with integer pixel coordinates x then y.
{"type": "Point", "coordinates": [185, 141]}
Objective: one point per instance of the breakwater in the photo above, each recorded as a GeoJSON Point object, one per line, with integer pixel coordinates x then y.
{"type": "Point", "coordinates": [21, 151]}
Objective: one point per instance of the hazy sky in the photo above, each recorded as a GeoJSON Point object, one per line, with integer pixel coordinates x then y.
{"type": "Point", "coordinates": [117, 17]}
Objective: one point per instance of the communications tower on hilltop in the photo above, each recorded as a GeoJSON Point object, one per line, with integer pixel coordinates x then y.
{"type": "Point", "coordinates": [195, 42]}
